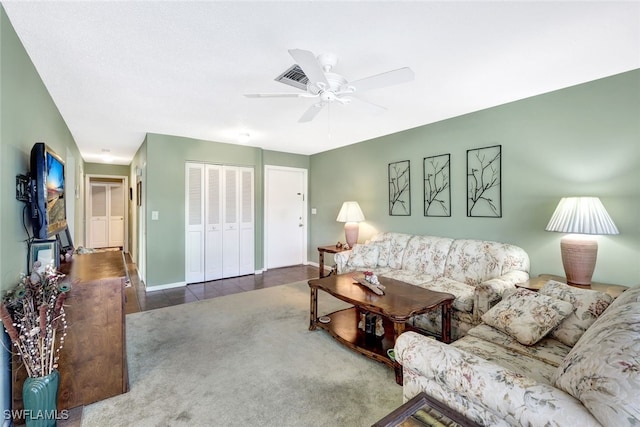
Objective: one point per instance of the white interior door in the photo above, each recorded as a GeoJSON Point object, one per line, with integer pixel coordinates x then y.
{"type": "Point", "coordinates": [213, 226]}
{"type": "Point", "coordinates": [116, 215]}
{"type": "Point", "coordinates": [194, 248]}
{"type": "Point", "coordinates": [247, 229]}
{"type": "Point", "coordinates": [142, 227]}
{"type": "Point", "coordinates": [219, 222]}
{"type": "Point", "coordinates": [285, 216]}
{"type": "Point", "coordinates": [98, 235]}
{"type": "Point", "coordinates": [231, 224]}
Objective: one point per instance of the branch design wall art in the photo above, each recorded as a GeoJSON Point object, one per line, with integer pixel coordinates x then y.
{"type": "Point", "coordinates": [437, 185]}
{"type": "Point", "coordinates": [484, 182]}
{"type": "Point", "coordinates": [399, 188]}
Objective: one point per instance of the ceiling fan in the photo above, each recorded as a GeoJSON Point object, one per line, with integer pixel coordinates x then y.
{"type": "Point", "coordinates": [329, 87]}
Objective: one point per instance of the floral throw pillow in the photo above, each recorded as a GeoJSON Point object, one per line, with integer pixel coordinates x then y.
{"type": "Point", "coordinates": [588, 305]}
{"type": "Point", "coordinates": [527, 316]}
{"type": "Point", "coordinates": [601, 370]}
{"type": "Point", "coordinates": [364, 256]}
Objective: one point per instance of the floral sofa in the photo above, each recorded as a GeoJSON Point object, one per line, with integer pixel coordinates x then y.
{"type": "Point", "coordinates": [477, 272]}
{"type": "Point", "coordinates": [562, 357]}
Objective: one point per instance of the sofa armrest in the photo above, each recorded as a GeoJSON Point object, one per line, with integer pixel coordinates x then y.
{"type": "Point", "coordinates": [489, 292]}
{"type": "Point", "coordinates": [502, 392]}
{"type": "Point", "coordinates": [341, 259]}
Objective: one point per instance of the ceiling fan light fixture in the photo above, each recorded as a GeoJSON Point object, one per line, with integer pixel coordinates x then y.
{"type": "Point", "coordinates": [331, 87]}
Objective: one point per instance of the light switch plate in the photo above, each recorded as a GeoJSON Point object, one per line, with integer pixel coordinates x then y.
{"type": "Point", "coordinates": [155, 215]}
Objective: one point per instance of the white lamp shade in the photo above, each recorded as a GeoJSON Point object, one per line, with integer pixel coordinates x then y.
{"type": "Point", "coordinates": [350, 212]}
{"type": "Point", "coordinates": [581, 215]}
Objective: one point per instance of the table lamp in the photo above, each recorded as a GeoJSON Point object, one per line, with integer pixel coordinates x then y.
{"type": "Point", "coordinates": [351, 215]}
{"type": "Point", "coordinates": [580, 216]}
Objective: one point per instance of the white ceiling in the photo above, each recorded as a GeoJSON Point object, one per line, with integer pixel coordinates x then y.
{"type": "Point", "coordinates": [120, 69]}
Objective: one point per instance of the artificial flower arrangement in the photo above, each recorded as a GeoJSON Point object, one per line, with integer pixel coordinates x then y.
{"type": "Point", "coordinates": [33, 315]}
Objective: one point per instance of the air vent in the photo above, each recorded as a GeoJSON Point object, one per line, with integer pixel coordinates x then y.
{"type": "Point", "coordinates": [294, 76]}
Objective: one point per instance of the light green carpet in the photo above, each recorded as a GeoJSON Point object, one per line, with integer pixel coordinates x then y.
{"type": "Point", "coordinates": [245, 360]}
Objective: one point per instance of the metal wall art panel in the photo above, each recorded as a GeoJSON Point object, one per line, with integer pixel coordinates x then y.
{"type": "Point", "coordinates": [484, 182]}
{"type": "Point", "coordinates": [399, 188]}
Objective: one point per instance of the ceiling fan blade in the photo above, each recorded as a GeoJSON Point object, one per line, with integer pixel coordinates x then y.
{"type": "Point", "coordinates": [311, 112]}
{"type": "Point", "coordinates": [366, 106]}
{"type": "Point", "coordinates": [309, 64]}
{"type": "Point", "coordinates": [401, 75]}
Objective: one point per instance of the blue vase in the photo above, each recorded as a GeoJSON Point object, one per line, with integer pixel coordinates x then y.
{"type": "Point", "coordinates": [40, 396]}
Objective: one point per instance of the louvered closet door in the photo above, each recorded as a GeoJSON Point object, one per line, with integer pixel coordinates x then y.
{"type": "Point", "coordinates": [213, 226]}
{"type": "Point", "coordinates": [195, 233]}
{"type": "Point", "coordinates": [231, 223]}
{"type": "Point", "coordinates": [116, 215]}
{"type": "Point", "coordinates": [247, 232]}
{"type": "Point", "coordinates": [99, 224]}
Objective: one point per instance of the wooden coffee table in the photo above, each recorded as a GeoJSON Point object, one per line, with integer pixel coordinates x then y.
{"type": "Point", "coordinates": [398, 305]}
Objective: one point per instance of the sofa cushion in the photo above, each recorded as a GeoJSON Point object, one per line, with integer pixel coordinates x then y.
{"type": "Point", "coordinates": [507, 358]}
{"type": "Point", "coordinates": [472, 261]}
{"type": "Point", "coordinates": [588, 305]}
{"type": "Point", "coordinates": [364, 256]}
{"type": "Point", "coordinates": [411, 277]}
{"type": "Point", "coordinates": [603, 368]}
{"type": "Point", "coordinates": [397, 245]}
{"type": "Point", "coordinates": [463, 292]}
{"type": "Point", "coordinates": [527, 316]}
{"type": "Point", "coordinates": [426, 254]}
{"type": "Point", "coordinates": [548, 350]}
{"type": "Point", "coordinates": [384, 247]}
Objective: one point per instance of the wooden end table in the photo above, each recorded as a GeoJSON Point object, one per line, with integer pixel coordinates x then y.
{"type": "Point", "coordinates": [424, 411]}
{"type": "Point", "coordinates": [398, 305]}
{"type": "Point", "coordinates": [331, 249]}
{"type": "Point", "coordinates": [536, 283]}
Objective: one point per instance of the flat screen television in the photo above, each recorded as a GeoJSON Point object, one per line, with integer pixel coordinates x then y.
{"type": "Point", "coordinates": [48, 210]}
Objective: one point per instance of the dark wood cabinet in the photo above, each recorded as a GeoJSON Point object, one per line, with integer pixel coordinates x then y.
{"type": "Point", "coordinates": [93, 362]}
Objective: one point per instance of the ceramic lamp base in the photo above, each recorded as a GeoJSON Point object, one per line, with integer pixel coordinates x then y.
{"type": "Point", "coordinates": [579, 259]}
{"type": "Point", "coordinates": [351, 233]}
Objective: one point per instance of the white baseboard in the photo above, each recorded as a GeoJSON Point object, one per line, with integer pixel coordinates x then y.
{"type": "Point", "coordinates": [165, 286]}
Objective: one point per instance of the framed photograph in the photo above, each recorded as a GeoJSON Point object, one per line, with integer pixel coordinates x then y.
{"type": "Point", "coordinates": [484, 182]}
{"type": "Point", "coordinates": [45, 251]}
{"type": "Point", "coordinates": [399, 188]}
{"type": "Point", "coordinates": [436, 178]}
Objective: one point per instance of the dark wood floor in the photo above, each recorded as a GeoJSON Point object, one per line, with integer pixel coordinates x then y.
{"type": "Point", "coordinates": [140, 300]}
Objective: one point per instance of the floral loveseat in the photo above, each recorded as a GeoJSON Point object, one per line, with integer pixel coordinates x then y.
{"type": "Point", "coordinates": [477, 272]}
{"type": "Point", "coordinates": [584, 372]}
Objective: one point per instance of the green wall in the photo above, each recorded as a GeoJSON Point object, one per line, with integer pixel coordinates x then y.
{"type": "Point", "coordinates": [27, 115]}
{"type": "Point", "coordinates": [106, 169]}
{"type": "Point", "coordinates": [164, 192]}
{"type": "Point", "coordinates": [583, 140]}
{"type": "Point", "coordinates": [161, 159]}
{"type": "Point", "coordinates": [277, 158]}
